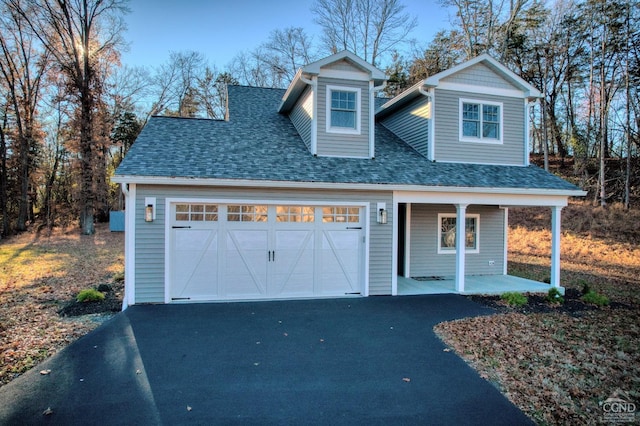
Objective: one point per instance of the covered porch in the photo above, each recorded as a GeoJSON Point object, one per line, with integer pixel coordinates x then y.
{"type": "Point", "coordinates": [475, 284]}
{"type": "Point", "coordinates": [426, 256]}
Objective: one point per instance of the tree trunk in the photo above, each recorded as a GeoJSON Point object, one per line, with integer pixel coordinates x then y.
{"type": "Point", "coordinates": [4, 227]}
{"type": "Point", "coordinates": [87, 192]}
{"type": "Point", "coordinates": [603, 127]}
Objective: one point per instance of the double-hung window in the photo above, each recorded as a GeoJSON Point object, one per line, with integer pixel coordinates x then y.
{"type": "Point", "coordinates": [480, 121]}
{"type": "Point", "coordinates": [447, 233]}
{"type": "Point", "coordinates": [343, 110]}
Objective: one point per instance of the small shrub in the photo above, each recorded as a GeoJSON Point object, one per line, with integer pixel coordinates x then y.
{"type": "Point", "coordinates": [104, 288]}
{"type": "Point", "coordinates": [118, 277]}
{"type": "Point", "coordinates": [514, 298]}
{"type": "Point", "coordinates": [585, 287]}
{"type": "Point", "coordinates": [596, 298]}
{"type": "Point", "coordinates": [89, 295]}
{"type": "Point", "coordinates": [554, 296]}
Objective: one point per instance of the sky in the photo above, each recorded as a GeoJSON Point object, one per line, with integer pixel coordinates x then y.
{"type": "Point", "coordinates": [220, 29]}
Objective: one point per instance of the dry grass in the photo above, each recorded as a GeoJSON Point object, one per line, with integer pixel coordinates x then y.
{"type": "Point", "coordinates": [40, 273]}
{"type": "Point", "coordinates": [557, 367]}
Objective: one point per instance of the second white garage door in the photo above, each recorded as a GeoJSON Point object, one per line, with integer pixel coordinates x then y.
{"type": "Point", "coordinates": [253, 251]}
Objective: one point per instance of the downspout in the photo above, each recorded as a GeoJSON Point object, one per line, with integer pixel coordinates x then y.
{"type": "Point", "coordinates": [372, 117]}
{"type": "Point", "coordinates": [431, 140]}
{"type": "Point", "coordinates": [314, 114]}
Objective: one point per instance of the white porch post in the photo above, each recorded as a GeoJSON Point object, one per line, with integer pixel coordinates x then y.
{"type": "Point", "coordinates": [555, 245]}
{"type": "Point", "coordinates": [461, 231]}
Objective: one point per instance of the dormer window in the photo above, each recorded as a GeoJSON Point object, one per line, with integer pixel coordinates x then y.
{"type": "Point", "coordinates": [480, 121]}
{"type": "Point", "coordinates": [343, 110]}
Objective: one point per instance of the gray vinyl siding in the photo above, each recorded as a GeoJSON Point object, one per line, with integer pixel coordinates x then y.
{"type": "Point", "coordinates": [424, 258]}
{"type": "Point", "coordinates": [150, 237]}
{"type": "Point", "coordinates": [337, 144]}
{"type": "Point", "coordinates": [411, 124]}
{"type": "Point", "coordinates": [301, 116]}
{"type": "Point", "coordinates": [479, 75]}
{"type": "Point", "coordinates": [448, 146]}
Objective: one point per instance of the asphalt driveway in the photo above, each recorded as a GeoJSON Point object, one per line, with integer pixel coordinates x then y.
{"type": "Point", "coordinates": [366, 361]}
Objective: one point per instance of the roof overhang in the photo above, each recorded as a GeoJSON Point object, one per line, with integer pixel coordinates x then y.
{"type": "Point", "coordinates": [314, 69]}
{"type": "Point", "coordinates": [410, 193]}
{"type": "Point", "coordinates": [485, 59]}
{"type": "Point", "coordinates": [422, 87]}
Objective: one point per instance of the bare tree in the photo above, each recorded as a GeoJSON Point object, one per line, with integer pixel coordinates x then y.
{"type": "Point", "coordinates": [79, 34]}
{"type": "Point", "coordinates": [368, 28]}
{"type": "Point", "coordinates": [487, 25]}
{"type": "Point", "coordinates": [275, 62]}
{"type": "Point", "coordinates": [287, 50]}
{"type": "Point", "coordinates": [22, 65]}
{"type": "Point", "coordinates": [175, 84]}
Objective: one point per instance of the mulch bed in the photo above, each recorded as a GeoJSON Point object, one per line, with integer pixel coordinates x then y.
{"type": "Point", "coordinates": [111, 304]}
{"type": "Point", "coordinates": [537, 303]}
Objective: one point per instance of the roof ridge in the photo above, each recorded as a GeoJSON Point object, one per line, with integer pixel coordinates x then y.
{"type": "Point", "coordinates": [187, 118]}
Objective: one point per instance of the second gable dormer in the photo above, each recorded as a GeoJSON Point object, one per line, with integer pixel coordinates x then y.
{"type": "Point", "coordinates": [475, 112]}
{"type": "Point", "coordinates": [331, 104]}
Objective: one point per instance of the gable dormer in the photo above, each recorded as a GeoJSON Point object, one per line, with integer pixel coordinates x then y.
{"type": "Point", "coordinates": [475, 112]}
{"type": "Point", "coordinates": [331, 104]}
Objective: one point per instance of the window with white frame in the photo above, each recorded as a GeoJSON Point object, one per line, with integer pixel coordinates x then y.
{"type": "Point", "coordinates": [480, 121]}
{"type": "Point", "coordinates": [447, 233]}
{"type": "Point", "coordinates": [343, 110]}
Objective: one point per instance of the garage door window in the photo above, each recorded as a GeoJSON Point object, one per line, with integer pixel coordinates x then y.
{"type": "Point", "coordinates": [246, 213]}
{"type": "Point", "coordinates": [341, 214]}
{"type": "Point", "coordinates": [197, 212]}
{"type": "Point", "coordinates": [295, 214]}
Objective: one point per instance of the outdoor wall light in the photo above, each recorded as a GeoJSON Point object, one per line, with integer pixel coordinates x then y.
{"type": "Point", "coordinates": [150, 209]}
{"type": "Point", "coordinates": [382, 213]}
{"type": "Point", "coordinates": [148, 213]}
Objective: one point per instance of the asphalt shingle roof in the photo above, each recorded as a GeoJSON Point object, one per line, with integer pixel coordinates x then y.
{"type": "Point", "coordinates": [257, 143]}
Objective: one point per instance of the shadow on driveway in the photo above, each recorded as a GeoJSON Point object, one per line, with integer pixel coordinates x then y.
{"type": "Point", "coordinates": [367, 361]}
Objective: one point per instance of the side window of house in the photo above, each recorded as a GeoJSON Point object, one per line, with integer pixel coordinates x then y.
{"type": "Point", "coordinates": [343, 110]}
{"type": "Point", "coordinates": [447, 233]}
{"type": "Point", "coordinates": [480, 121]}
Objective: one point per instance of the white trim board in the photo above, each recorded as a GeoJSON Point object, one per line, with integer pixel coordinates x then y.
{"type": "Point", "coordinates": [236, 183]}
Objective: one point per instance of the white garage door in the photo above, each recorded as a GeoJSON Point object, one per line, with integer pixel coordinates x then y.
{"type": "Point", "coordinates": [251, 251]}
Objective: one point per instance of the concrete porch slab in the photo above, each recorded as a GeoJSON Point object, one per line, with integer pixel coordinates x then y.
{"type": "Point", "coordinates": [476, 284]}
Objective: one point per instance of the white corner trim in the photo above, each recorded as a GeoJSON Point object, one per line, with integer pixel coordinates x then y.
{"type": "Point", "coordinates": [407, 242]}
{"type": "Point", "coordinates": [130, 246]}
{"type": "Point", "coordinates": [432, 128]}
{"type": "Point", "coordinates": [394, 249]}
{"type": "Point", "coordinates": [527, 124]}
{"type": "Point", "coordinates": [367, 244]}
{"type": "Point", "coordinates": [505, 257]}
{"type": "Point", "coordinates": [314, 113]}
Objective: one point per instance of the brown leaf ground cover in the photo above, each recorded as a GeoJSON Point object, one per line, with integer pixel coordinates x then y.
{"type": "Point", "coordinates": [40, 276]}
{"type": "Point", "coordinates": [558, 363]}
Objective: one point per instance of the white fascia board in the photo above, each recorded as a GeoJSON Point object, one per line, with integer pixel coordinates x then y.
{"type": "Point", "coordinates": [292, 92]}
{"type": "Point", "coordinates": [513, 198]}
{"type": "Point", "coordinates": [471, 90]}
{"type": "Point", "coordinates": [401, 99]}
{"type": "Point", "coordinates": [426, 191]}
{"type": "Point", "coordinates": [529, 90]}
{"type": "Point", "coordinates": [375, 73]}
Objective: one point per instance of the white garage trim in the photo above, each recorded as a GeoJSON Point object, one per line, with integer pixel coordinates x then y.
{"type": "Point", "coordinates": [364, 222]}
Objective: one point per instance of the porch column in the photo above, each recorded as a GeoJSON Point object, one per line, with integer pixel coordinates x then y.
{"type": "Point", "coordinates": [555, 245]}
{"type": "Point", "coordinates": [461, 232]}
